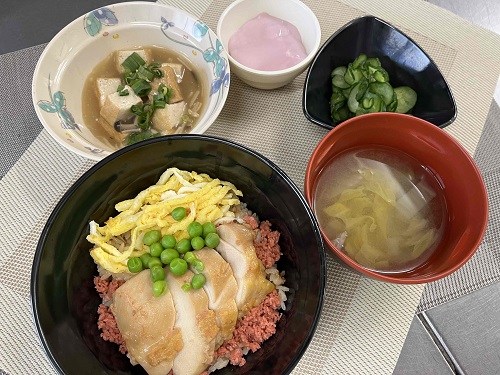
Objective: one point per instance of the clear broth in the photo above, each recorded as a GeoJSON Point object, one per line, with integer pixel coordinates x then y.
{"type": "Point", "coordinates": [190, 84]}
{"type": "Point", "coordinates": [362, 196]}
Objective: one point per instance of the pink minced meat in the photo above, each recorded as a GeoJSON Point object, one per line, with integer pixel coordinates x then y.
{"type": "Point", "coordinates": [252, 330]}
{"type": "Point", "coordinates": [106, 321]}
{"type": "Point", "coordinates": [267, 249]}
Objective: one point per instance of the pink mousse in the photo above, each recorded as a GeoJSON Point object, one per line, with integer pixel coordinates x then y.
{"type": "Point", "coordinates": [267, 43]}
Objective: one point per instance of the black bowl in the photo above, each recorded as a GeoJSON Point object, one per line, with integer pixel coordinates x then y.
{"type": "Point", "coordinates": [406, 63]}
{"type": "Point", "coordinates": [62, 294]}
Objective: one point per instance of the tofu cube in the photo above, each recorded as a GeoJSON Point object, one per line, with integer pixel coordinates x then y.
{"type": "Point", "coordinates": [169, 79]}
{"type": "Point", "coordinates": [179, 70]}
{"type": "Point", "coordinates": [166, 119]}
{"type": "Point", "coordinates": [105, 87]}
{"type": "Point", "coordinates": [122, 55]}
{"type": "Point", "coordinates": [117, 108]}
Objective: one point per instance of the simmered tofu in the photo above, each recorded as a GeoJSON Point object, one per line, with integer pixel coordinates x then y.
{"type": "Point", "coordinates": [166, 119]}
{"type": "Point", "coordinates": [105, 87]}
{"type": "Point", "coordinates": [121, 56]}
{"type": "Point", "coordinates": [117, 108]}
{"type": "Point", "coordinates": [178, 70]}
{"type": "Point", "coordinates": [236, 247]}
{"type": "Point", "coordinates": [146, 323]}
{"type": "Point", "coordinates": [169, 79]}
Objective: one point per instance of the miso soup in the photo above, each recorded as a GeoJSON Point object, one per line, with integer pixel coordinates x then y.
{"type": "Point", "coordinates": [119, 108]}
{"type": "Point", "coordinates": [381, 208]}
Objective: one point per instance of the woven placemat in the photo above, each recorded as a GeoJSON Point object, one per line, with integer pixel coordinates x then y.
{"type": "Point", "coordinates": [364, 322]}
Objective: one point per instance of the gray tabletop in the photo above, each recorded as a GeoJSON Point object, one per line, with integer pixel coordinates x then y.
{"type": "Point", "coordinates": [460, 336]}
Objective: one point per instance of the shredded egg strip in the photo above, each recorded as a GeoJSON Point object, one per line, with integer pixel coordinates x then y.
{"type": "Point", "coordinates": [205, 200]}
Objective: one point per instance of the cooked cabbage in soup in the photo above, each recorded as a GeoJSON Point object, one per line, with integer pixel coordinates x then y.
{"type": "Point", "coordinates": [381, 207]}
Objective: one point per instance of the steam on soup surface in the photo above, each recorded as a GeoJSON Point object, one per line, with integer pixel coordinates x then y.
{"type": "Point", "coordinates": [140, 93]}
{"type": "Point", "coordinates": [381, 207]}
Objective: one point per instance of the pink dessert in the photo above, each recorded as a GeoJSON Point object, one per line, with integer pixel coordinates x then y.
{"type": "Point", "coordinates": [267, 43]}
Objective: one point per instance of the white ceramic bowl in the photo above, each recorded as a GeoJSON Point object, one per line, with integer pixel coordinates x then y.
{"type": "Point", "coordinates": [293, 11]}
{"type": "Point", "coordinates": [72, 54]}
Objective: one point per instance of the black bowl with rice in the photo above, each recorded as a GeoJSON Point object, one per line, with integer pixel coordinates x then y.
{"type": "Point", "coordinates": [63, 289]}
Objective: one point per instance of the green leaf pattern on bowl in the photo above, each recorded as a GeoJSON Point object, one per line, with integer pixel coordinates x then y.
{"type": "Point", "coordinates": [57, 104]}
{"type": "Point", "coordinates": [94, 20]}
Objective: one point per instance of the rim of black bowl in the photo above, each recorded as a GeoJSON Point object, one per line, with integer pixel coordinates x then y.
{"type": "Point", "coordinates": [116, 154]}
{"type": "Point", "coordinates": [356, 20]}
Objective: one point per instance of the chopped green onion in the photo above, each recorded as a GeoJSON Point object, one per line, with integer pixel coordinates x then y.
{"type": "Point", "coordinates": [133, 62]}
{"type": "Point", "coordinates": [141, 87]}
{"type": "Point", "coordinates": [145, 74]}
{"type": "Point", "coordinates": [122, 91]}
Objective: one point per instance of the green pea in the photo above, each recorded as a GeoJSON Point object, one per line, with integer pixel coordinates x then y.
{"type": "Point", "coordinates": [197, 243]}
{"type": "Point", "coordinates": [198, 265]}
{"type": "Point", "coordinates": [155, 249]}
{"type": "Point", "coordinates": [145, 259]}
{"type": "Point", "coordinates": [198, 281]}
{"type": "Point", "coordinates": [157, 273]}
{"type": "Point", "coordinates": [178, 266]}
{"type": "Point", "coordinates": [151, 237]}
{"type": "Point", "coordinates": [168, 241]}
{"type": "Point", "coordinates": [134, 265]}
{"type": "Point", "coordinates": [183, 246]}
{"type": "Point", "coordinates": [212, 240]}
{"type": "Point", "coordinates": [179, 213]}
{"type": "Point", "coordinates": [186, 287]}
{"type": "Point", "coordinates": [208, 228]}
{"type": "Point", "coordinates": [160, 287]}
{"type": "Point", "coordinates": [168, 255]}
{"type": "Point", "coordinates": [189, 257]}
{"type": "Point", "coordinates": [195, 229]}
{"type": "Point", "coordinates": [154, 262]}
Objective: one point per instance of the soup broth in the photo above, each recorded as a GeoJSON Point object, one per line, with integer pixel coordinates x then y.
{"type": "Point", "coordinates": [190, 83]}
{"type": "Point", "coordinates": [381, 207]}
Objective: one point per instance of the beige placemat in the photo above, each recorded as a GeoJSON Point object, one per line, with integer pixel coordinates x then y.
{"type": "Point", "coordinates": [364, 322]}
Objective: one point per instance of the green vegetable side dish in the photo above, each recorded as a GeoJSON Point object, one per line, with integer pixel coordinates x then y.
{"type": "Point", "coordinates": [363, 87]}
{"type": "Point", "coordinates": [159, 288]}
{"type": "Point", "coordinates": [134, 265]}
{"type": "Point", "coordinates": [178, 266]}
{"type": "Point", "coordinates": [198, 281]}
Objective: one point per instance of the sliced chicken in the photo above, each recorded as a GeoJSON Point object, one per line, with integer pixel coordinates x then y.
{"type": "Point", "coordinates": [236, 247]}
{"type": "Point", "coordinates": [197, 324]}
{"type": "Point", "coordinates": [221, 289]}
{"type": "Point", "coordinates": [146, 323]}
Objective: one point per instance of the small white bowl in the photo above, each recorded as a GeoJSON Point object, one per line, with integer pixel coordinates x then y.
{"type": "Point", "coordinates": [293, 11]}
{"type": "Point", "coordinates": [74, 52]}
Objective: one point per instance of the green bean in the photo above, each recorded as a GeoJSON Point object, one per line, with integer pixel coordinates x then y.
{"type": "Point", "coordinates": [179, 213]}
{"type": "Point", "coordinates": [198, 281]}
{"type": "Point", "coordinates": [212, 240]}
{"type": "Point", "coordinates": [178, 266]}
{"type": "Point", "coordinates": [183, 246]}
{"type": "Point", "coordinates": [195, 229]}
{"type": "Point", "coordinates": [155, 249]}
{"type": "Point", "coordinates": [208, 228]}
{"type": "Point", "coordinates": [153, 262]}
{"type": "Point", "coordinates": [160, 287]}
{"type": "Point", "coordinates": [197, 243]}
{"type": "Point", "coordinates": [151, 237]}
{"type": "Point", "coordinates": [134, 265]}
{"type": "Point", "coordinates": [168, 241]}
{"type": "Point", "coordinates": [145, 259]}
{"type": "Point", "coordinates": [168, 255]}
{"type": "Point", "coordinates": [157, 273]}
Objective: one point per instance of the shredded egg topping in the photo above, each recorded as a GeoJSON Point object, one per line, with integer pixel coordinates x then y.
{"type": "Point", "coordinates": [205, 200]}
